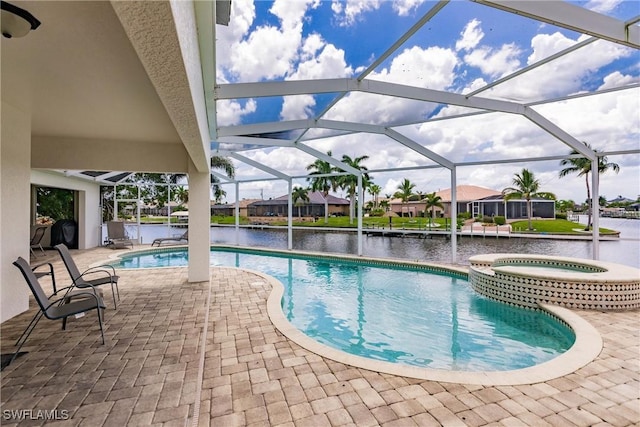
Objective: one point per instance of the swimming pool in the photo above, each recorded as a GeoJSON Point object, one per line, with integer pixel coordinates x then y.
{"type": "Point", "coordinates": [404, 314]}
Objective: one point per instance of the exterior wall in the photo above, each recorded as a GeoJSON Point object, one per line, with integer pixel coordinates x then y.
{"type": "Point", "coordinates": [463, 206]}
{"type": "Point", "coordinates": [305, 210]}
{"type": "Point", "coordinates": [89, 220]}
{"type": "Point", "coordinates": [15, 153]}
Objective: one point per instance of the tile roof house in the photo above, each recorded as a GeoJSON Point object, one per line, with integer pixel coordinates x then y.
{"type": "Point", "coordinates": [464, 195]}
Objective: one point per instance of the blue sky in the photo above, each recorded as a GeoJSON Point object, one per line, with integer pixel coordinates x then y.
{"type": "Point", "coordinates": [462, 48]}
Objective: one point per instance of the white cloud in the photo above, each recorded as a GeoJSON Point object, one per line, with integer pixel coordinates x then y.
{"type": "Point", "coordinates": [230, 112]}
{"type": "Point", "coordinates": [348, 12]}
{"type": "Point", "coordinates": [562, 76]}
{"type": "Point", "coordinates": [267, 52]}
{"type": "Point", "coordinates": [617, 79]}
{"type": "Point", "coordinates": [429, 68]}
{"type": "Point", "coordinates": [495, 62]}
{"type": "Point", "coordinates": [297, 107]}
{"type": "Point", "coordinates": [405, 7]}
{"type": "Point", "coordinates": [243, 14]}
{"type": "Point", "coordinates": [319, 60]}
{"type": "Point", "coordinates": [291, 13]}
{"type": "Point", "coordinates": [329, 63]}
{"type": "Point", "coordinates": [470, 36]}
{"type": "Point", "coordinates": [602, 6]}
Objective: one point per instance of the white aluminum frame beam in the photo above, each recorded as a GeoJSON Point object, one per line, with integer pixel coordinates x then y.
{"type": "Point", "coordinates": [222, 176]}
{"type": "Point", "coordinates": [331, 160]}
{"type": "Point", "coordinates": [575, 18]}
{"type": "Point", "coordinates": [258, 165]}
{"type": "Point", "coordinates": [259, 128]}
{"type": "Point", "coordinates": [534, 65]}
{"type": "Point", "coordinates": [560, 134]}
{"type": "Point", "coordinates": [314, 87]}
{"type": "Point", "coordinates": [251, 140]}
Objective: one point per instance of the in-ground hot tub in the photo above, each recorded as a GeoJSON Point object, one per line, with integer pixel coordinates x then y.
{"type": "Point", "coordinates": [530, 280]}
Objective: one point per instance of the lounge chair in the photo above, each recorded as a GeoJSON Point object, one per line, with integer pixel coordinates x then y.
{"type": "Point", "coordinates": [106, 274]}
{"type": "Point", "coordinates": [36, 240]}
{"type": "Point", "coordinates": [117, 236]}
{"type": "Point", "coordinates": [56, 306]}
{"type": "Point", "coordinates": [184, 237]}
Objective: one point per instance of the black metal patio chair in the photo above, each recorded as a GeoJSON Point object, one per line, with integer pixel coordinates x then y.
{"type": "Point", "coordinates": [61, 304]}
{"type": "Point", "coordinates": [101, 275]}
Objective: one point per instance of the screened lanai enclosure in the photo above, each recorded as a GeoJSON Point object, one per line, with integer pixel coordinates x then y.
{"type": "Point", "coordinates": [445, 93]}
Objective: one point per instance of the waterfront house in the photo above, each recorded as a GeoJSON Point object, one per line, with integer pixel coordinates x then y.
{"type": "Point", "coordinates": [229, 209]}
{"type": "Point", "coordinates": [312, 208]}
{"type": "Point", "coordinates": [512, 209]}
{"type": "Point", "coordinates": [465, 194]}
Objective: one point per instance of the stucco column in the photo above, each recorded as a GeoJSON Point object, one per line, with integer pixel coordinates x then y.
{"type": "Point", "coordinates": [15, 193]}
{"type": "Point", "coordinates": [199, 224]}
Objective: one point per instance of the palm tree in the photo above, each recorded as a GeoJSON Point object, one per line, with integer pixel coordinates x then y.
{"type": "Point", "coordinates": [217, 162]}
{"type": "Point", "coordinates": [322, 183]}
{"type": "Point", "coordinates": [374, 190]}
{"type": "Point", "coordinates": [225, 165]}
{"type": "Point", "coordinates": [405, 191]}
{"type": "Point", "coordinates": [582, 167]}
{"type": "Point", "coordinates": [526, 187]}
{"type": "Point", "coordinates": [181, 194]}
{"type": "Point", "coordinates": [350, 182]}
{"type": "Point", "coordinates": [432, 201]}
{"type": "Point", "coordinates": [300, 196]}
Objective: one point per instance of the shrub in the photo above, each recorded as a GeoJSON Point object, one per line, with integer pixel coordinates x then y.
{"type": "Point", "coordinates": [499, 220]}
{"type": "Point", "coordinates": [561, 215]}
{"type": "Point", "coordinates": [464, 215]}
{"type": "Point", "coordinates": [487, 219]}
{"type": "Point", "coordinates": [376, 212]}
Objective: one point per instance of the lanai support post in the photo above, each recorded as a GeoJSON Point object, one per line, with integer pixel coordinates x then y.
{"type": "Point", "coordinates": [290, 216]}
{"type": "Point", "coordinates": [199, 224]}
{"type": "Point", "coordinates": [360, 203]}
{"type": "Point", "coordinates": [595, 207]}
{"type": "Point", "coordinates": [454, 217]}
{"type": "Point", "coordinates": [115, 202]}
{"type": "Point", "coordinates": [237, 213]}
{"type": "Point", "coordinates": [169, 209]}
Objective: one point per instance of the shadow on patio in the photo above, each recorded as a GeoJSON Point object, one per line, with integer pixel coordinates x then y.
{"type": "Point", "coordinates": [149, 371]}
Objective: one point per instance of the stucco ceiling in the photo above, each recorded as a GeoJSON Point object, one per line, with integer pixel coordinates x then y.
{"type": "Point", "coordinates": [80, 77]}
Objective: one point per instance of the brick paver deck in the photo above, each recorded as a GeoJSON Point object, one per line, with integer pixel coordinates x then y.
{"type": "Point", "coordinates": [148, 373]}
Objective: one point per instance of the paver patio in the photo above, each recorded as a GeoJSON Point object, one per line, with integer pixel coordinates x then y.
{"type": "Point", "coordinates": [149, 372]}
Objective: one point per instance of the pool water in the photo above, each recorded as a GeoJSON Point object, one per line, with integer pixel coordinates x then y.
{"type": "Point", "coordinates": [403, 315]}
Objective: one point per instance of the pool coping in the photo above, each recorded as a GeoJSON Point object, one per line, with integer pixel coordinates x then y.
{"type": "Point", "coordinates": [587, 346]}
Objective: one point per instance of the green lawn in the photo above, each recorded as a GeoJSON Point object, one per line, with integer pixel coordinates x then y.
{"type": "Point", "coordinates": [557, 226]}
{"type": "Point", "coordinates": [370, 222]}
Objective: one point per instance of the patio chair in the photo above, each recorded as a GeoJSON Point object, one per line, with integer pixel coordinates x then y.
{"type": "Point", "coordinates": [56, 307]}
{"type": "Point", "coordinates": [117, 236]}
{"type": "Point", "coordinates": [36, 240]}
{"type": "Point", "coordinates": [177, 238]}
{"type": "Point", "coordinates": [106, 274]}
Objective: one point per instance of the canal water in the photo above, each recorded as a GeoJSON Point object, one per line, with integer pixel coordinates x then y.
{"type": "Point", "coordinates": [625, 250]}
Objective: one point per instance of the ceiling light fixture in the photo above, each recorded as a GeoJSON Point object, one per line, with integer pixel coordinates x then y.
{"type": "Point", "coordinates": [16, 22]}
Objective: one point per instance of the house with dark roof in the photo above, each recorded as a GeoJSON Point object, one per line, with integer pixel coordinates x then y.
{"type": "Point", "coordinates": [313, 208]}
